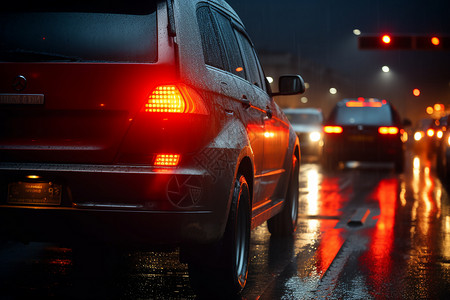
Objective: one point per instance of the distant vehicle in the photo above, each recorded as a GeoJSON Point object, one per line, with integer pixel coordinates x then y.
{"type": "Point", "coordinates": [426, 135]}
{"type": "Point", "coordinates": [364, 129]}
{"type": "Point", "coordinates": [307, 123]}
{"type": "Point", "coordinates": [143, 124]}
{"type": "Point", "coordinates": [443, 148]}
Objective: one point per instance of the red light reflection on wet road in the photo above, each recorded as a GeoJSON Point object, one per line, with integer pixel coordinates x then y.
{"type": "Point", "coordinates": [379, 259]}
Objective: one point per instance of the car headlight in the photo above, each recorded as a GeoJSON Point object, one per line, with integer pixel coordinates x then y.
{"type": "Point", "coordinates": [418, 136]}
{"type": "Point", "coordinates": [315, 136]}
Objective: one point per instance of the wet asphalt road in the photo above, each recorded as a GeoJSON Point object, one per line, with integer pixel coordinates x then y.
{"type": "Point", "coordinates": [401, 250]}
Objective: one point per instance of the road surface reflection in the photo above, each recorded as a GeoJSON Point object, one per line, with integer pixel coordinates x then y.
{"type": "Point", "coordinates": [400, 251]}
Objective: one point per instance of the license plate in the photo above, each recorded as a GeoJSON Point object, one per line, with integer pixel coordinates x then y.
{"type": "Point", "coordinates": [34, 193]}
{"type": "Point", "coordinates": [27, 99]}
{"type": "Point", "coordinates": [361, 138]}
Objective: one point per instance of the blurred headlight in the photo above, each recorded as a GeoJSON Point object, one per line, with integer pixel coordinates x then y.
{"type": "Point", "coordinates": [417, 136]}
{"type": "Point", "coordinates": [314, 136]}
{"type": "Point", "coordinates": [439, 134]}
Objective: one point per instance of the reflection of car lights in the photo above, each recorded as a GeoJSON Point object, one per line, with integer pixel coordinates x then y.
{"type": "Point", "coordinates": [417, 136]}
{"type": "Point", "coordinates": [439, 134]}
{"type": "Point", "coordinates": [314, 136]}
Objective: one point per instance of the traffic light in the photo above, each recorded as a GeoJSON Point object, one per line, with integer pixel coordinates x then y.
{"type": "Point", "coordinates": [403, 42]}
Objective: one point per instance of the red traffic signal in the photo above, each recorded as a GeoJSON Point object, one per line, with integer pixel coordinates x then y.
{"type": "Point", "coordinates": [403, 42]}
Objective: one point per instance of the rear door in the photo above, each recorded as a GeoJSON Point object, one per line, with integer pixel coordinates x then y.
{"type": "Point", "coordinates": [245, 104]}
{"type": "Point", "coordinates": [276, 132]}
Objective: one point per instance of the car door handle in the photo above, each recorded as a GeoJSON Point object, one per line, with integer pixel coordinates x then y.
{"type": "Point", "coordinates": [245, 101]}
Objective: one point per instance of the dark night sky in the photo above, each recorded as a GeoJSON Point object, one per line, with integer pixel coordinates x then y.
{"type": "Point", "coordinates": [321, 31]}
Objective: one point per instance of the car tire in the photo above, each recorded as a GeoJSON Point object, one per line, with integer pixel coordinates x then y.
{"type": "Point", "coordinates": [220, 270]}
{"type": "Point", "coordinates": [285, 223]}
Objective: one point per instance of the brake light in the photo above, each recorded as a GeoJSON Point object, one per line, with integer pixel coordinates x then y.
{"type": "Point", "coordinates": [175, 99]}
{"type": "Point", "coordinates": [388, 130]}
{"type": "Point", "coordinates": [332, 129]}
{"type": "Point", "coordinates": [363, 104]}
{"type": "Point", "coordinates": [167, 160]}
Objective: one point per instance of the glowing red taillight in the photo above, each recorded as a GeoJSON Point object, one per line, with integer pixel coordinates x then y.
{"type": "Point", "coordinates": [332, 129]}
{"type": "Point", "coordinates": [175, 99]}
{"type": "Point", "coordinates": [167, 160]}
{"type": "Point", "coordinates": [388, 130]}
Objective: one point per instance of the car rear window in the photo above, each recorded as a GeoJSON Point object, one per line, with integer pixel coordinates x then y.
{"type": "Point", "coordinates": [362, 115]}
{"type": "Point", "coordinates": [100, 31]}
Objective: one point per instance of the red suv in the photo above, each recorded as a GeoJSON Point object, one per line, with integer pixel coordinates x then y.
{"type": "Point", "coordinates": [143, 124]}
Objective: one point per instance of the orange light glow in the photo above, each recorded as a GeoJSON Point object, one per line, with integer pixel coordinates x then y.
{"type": "Point", "coordinates": [175, 99]}
{"type": "Point", "coordinates": [430, 110]}
{"type": "Point", "coordinates": [167, 160]}
{"type": "Point", "coordinates": [386, 39]}
{"type": "Point", "coordinates": [363, 104]}
{"type": "Point", "coordinates": [332, 129]}
{"type": "Point", "coordinates": [435, 41]}
{"type": "Point", "coordinates": [430, 132]}
{"type": "Point", "coordinates": [388, 130]}
{"type": "Point", "coordinates": [269, 134]}
{"type": "Point", "coordinates": [439, 107]}
{"type": "Point", "coordinates": [416, 92]}
{"type": "Point", "coordinates": [239, 69]}
{"type": "Point", "coordinates": [166, 99]}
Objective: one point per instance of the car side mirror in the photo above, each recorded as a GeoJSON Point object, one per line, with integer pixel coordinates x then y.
{"type": "Point", "coordinates": [290, 85]}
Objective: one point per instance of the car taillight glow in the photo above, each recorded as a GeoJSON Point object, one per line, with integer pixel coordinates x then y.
{"type": "Point", "coordinates": [388, 130]}
{"type": "Point", "coordinates": [167, 160]}
{"type": "Point", "coordinates": [363, 104]}
{"type": "Point", "coordinates": [332, 129]}
{"type": "Point", "coordinates": [430, 132]}
{"type": "Point", "coordinates": [175, 99]}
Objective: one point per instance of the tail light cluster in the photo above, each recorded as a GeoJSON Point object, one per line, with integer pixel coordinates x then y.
{"type": "Point", "coordinates": [388, 130]}
{"type": "Point", "coordinates": [332, 129]}
{"type": "Point", "coordinates": [392, 130]}
{"type": "Point", "coordinates": [175, 99]}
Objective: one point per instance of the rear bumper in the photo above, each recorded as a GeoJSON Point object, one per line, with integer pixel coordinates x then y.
{"type": "Point", "coordinates": [125, 227]}
{"type": "Point", "coordinates": [128, 205]}
{"type": "Point", "coordinates": [370, 152]}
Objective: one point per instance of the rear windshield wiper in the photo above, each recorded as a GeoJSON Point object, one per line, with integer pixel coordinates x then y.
{"type": "Point", "coordinates": [20, 55]}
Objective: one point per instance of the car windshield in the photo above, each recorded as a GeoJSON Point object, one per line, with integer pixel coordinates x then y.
{"type": "Point", "coordinates": [72, 31]}
{"type": "Point", "coordinates": [363, 115]}
{"type": "Point", "coordinates": [304, 118]}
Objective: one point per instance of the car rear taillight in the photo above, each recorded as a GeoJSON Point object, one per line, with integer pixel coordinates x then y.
{"type": "Point", "coordinates": [173, 98]}
{"type": "Point", "coordinates": [167, 160]}
{"type": "Point", "coordinates": [332, 129]}
{"type": "Point", "coordinates": [388, 130]}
